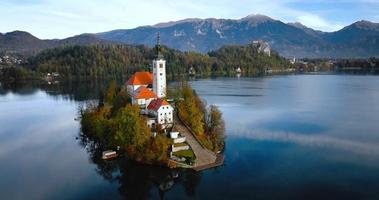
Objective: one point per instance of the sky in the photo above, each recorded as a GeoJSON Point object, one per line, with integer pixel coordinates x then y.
{"type": "Point", "coordinates": [49, 19]}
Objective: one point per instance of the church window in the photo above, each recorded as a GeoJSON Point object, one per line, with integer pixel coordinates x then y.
{"type": "Point", "coordinates": [160, 65]}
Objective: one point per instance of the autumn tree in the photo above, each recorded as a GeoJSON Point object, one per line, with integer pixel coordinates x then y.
{"type": "Point", "coordinates": [191, 109]}
{"type": "Point", "coordinates": [131, 128]}
{"type": "Point", "coordinates": [215, 127]}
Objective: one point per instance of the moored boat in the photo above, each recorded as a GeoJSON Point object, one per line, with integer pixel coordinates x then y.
{"type": "Point", "coordinates": [109, 154]}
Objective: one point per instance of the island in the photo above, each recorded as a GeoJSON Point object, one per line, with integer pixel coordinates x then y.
{"type": "Point", "coordinates": [145, 121]}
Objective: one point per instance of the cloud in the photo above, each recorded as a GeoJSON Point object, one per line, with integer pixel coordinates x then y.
{"type": "Point", "coordinates": [318, 23]}
{"type": "Point", "coordinates": [318, 141]}
{"type": "Point", "coordinates": [59, 19]}
{"type": "Point", "coordinates": [63, 14]}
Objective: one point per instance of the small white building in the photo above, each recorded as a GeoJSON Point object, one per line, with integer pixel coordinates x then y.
{"type": "Point", "coordinates": [162, 110]}
{"type": "Point", "coordinates": [238, 70]}
{"type": "Point", "coordinates": [293, 60]}
{"type": "Point", "coordinates": [174, 134]}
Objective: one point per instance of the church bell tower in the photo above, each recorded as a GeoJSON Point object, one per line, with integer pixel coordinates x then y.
{"type": "Point", "coordinates": [159, 71]}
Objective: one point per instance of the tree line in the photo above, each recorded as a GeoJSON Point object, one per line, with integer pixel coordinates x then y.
{"type": "Point", "coordinates": [117, 61]}
{"type": "Point", "coordinates": [205, 121]}
{"type": "Point", "coordinates": [357, 66]}
{"type": "Point", "coordinates": [353, 65]}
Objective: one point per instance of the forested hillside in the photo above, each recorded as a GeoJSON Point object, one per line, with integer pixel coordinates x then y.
{"type": "Point", "coordinates": [121, 60]}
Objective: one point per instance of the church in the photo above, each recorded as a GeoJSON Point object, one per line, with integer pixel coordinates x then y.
{"type": "Point", "coordinates": [148, 90]}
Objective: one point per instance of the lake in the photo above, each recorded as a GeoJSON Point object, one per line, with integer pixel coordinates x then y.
{"type": "Point", "coordinates": [288, 137]}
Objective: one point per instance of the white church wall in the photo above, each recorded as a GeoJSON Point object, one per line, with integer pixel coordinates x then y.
{"type": "Point", "coordinates": [159, 77]}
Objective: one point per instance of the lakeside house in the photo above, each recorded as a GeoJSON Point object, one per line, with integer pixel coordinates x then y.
{"type": "Point", "coordinates": [192, 71]}
{"type": "Point", "coordinates": [238, 70]}
{"type": "Point", "coordinates": [148, 90]}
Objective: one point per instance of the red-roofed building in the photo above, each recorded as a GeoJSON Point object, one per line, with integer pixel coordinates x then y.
{"type": "Point", "coordinates": [143, 96]}
{"type": "Point", "coordinates": [139, 79]}
{"type": "Point", "coordinates": [161, 109]}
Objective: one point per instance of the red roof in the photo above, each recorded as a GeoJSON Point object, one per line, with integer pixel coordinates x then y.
{"type": "Point", "coordinates": [144, 93]}
{"type": "Point", "coordinates": [141, 78]}
{"type": "Point", "coordinates": [157, 103]}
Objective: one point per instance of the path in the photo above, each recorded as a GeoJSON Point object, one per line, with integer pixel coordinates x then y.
{"type": "Point", "coordinates": [204, 158]}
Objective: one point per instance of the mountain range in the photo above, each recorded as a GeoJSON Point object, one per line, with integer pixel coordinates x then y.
{"type": "Point", "coordinates": [358, 40]}
{"type": "Point", "coordinates": [25, 43]}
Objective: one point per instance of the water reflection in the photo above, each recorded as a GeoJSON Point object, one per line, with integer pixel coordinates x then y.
{"type": "Point", "coordinates": [139, 181]}
{"type": "Point", "coordinates": [320, 141]}
{"type": "Point", "coordinates": [289, 137]}
{"type": "Point", "coordinates": [73, 90]}
{"type": "Point", "coordinates": [291, 124]}
{"type": "Point", "coordinates": [40, 117]}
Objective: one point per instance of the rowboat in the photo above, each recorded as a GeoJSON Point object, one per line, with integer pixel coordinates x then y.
{"type": "Point", "coordinates": [109, 154]}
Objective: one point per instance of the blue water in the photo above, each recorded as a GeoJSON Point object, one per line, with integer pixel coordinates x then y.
{"type": "Point", "coordinates": [288, 137]}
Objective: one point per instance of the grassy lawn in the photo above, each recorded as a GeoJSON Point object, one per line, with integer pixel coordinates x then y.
{"type": "Point", "coordinates": [185, 153]}
{"type": "Point", "coordinates": [180, 144]}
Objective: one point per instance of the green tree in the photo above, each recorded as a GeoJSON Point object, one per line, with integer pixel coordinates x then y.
{"type": "Point", "coordinates": [131, 128]}
{"type": "Point", "coordinates": [111, 92]}
{"type": "Point", "coordinates": [121, 100]}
